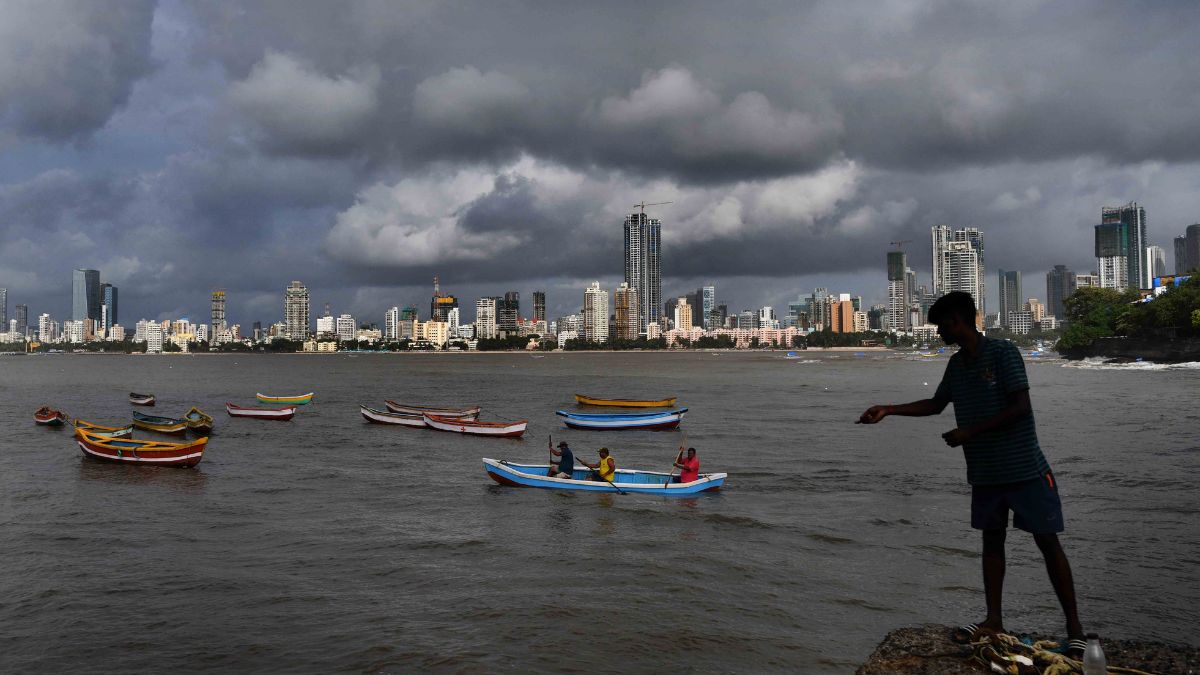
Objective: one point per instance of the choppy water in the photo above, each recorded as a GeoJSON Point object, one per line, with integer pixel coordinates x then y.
{"type": "Point", "coordinates": [330, 544]}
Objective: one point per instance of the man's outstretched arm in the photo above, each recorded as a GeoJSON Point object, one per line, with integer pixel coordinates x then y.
{"type": "Point", "coordinates": [922, 408]}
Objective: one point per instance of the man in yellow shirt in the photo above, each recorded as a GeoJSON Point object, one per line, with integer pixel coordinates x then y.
{"type": "Point", "coordinates": [606, 468]}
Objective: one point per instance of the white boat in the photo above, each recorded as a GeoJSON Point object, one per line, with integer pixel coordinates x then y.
{"type": "Point", "coordinates": [401, 419]}
{"type": "Point", "coordinates": [465, 426]}
{"type": "Point", "coordinates": [465, 413]}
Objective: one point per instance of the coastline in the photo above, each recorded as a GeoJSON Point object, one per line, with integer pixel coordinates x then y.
{"type": "Point", "coordinates": [534, 352]}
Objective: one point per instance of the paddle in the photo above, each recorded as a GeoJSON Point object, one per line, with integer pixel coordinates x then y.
{"type": "Point", "coordinates": [677, 458]}
{"type": "Point", "coordinates": [619, 490]}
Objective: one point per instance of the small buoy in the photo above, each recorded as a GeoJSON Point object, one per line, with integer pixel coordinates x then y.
{"type": "Point", "coordinates": [926, 384]}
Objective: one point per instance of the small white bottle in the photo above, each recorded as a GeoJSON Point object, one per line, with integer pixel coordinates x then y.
{"type": "Point", "coordinates": [1094, 662]}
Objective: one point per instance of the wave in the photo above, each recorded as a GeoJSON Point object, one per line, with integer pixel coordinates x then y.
{"type": "Point", "coordinates": [1100, 363]}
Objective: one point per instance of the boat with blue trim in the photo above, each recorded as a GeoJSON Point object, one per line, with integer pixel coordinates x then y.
{"type": "Point", "coordinates": [163, 425]}
{"type": "Point", "coordinates": [626, 480]}
{"type": "Point", "coordinates": [655, 421]}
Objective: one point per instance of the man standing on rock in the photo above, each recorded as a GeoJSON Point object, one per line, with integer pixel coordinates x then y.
{"type": "Point", "coordinates": [987, 384]}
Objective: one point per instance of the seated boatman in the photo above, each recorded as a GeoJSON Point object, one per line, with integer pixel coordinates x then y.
{"type": "Point", "coordinates": [605, 469]}
{"type": "Point", "coordinates": [689, 469]}
{"type": "Point", "coordinates": [566, 461]}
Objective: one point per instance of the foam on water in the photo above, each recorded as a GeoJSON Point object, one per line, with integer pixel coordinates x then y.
{"type": "Point", "coordinates": [1097, 363]}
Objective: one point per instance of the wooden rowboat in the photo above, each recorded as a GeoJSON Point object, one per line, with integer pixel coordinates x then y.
{"type": "Point", "coordinates": [141, 399]}
{"type": "Point", "coordinates": [198, 421]}
{"type": "Point", "coordinates": [380, 417]}
{"type": "Point", "coordinates": [103, 431]}
{"type": "Point", "coordinates": [625, 402]}
{"type": "Point", "coordinates": [465, 426]}
{"type": "Point", "coordinates": [280, 414]}
{"type": "Point", "coordinates": [49, 417]}
{"type": "Point", "coordinates": [162, 425]}
{"type": "Point", "coordinates": [463, 413]}
{"type": "Point", "coordinates": [302, 399]}
{"type": "Point", "coordinates": [655, 421]}
{"type": "Point", "coordinates": [129, 451]}
{"type": "Point", "coordinates": [641, 482]}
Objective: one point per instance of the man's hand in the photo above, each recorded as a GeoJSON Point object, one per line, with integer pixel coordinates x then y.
{"type": "Point", "coordinates": [873, 414]}
{"type": "Point", "coordinates": [956, 437]}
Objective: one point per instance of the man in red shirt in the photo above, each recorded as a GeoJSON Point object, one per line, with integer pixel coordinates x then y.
{"type": "Point", "coordinates": [689, 469]}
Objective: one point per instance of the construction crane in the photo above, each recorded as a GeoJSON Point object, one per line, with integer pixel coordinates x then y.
{"type": "Point", "coordinates": [643, 205]}
{"type": "Point", "coordinates": [900, 244]}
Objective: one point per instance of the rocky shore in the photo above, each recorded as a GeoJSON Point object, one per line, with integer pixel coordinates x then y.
{"type": "Point", "coordinates": [928, 650]}
{"type": "Point", "coordinates": [1158, 350]}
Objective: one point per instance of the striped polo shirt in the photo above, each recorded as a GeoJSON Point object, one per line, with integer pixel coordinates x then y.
{"type": "Point", "coordinates": [979, 390]}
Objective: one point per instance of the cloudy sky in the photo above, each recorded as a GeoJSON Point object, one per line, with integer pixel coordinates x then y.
{"type": "Point", "coordinates": [365, 147]}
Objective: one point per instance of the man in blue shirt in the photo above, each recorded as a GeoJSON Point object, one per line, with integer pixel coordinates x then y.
{"type": "Point", "coordinates": [566, 461]}
{"type": "Point", "coordinates": [987, 384]}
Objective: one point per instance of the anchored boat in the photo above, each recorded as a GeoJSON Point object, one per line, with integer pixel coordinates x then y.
{"type": "Point", "coordinates": [281, 414]}
{"type": "Point", "coordinates": [157, 453]}
{"type": "Point", "coordinates": [141, 399]}
{"type": "Point", "coordinates": [655, 421]}
{"type": "Point", "coordinates": [198, 421]}
{"type": "Point", "coordinates": [163, 425]}
{"type": "Point", "coordinates": [103, 431]}
{"type": "Point", "coordinates": [640, 482]}
{"type": "Point", "coordinates": [465, 426]}
{"type": "Point", "coordinates": [302, 399]}
{"type": "Point", "coordinates": [49, 417]}
{"type": "Point", "coordinates": [381, 417]}
{"type": "Point", "coordinates": [403, 409]}
{"type": "Point", "coordinates": [625, 402]}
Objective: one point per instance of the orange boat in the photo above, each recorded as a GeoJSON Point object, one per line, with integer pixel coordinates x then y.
{"type": "Point", "coordinates": [625, 402]}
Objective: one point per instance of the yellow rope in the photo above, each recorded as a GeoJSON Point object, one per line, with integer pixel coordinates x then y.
{"type": "Point", "coordinates": [1001, 651]}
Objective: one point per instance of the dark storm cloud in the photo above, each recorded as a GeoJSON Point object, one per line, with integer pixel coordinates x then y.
{"type": "Point", "coordinates": [65, 67]}
{"type": "Point", "coordinates": [371, 145]}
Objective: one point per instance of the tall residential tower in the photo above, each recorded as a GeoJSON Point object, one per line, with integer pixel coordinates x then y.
{"type": "Point", "coordinates": [643, 265]}
{"type": "Point", "coordinates": [295, 312]}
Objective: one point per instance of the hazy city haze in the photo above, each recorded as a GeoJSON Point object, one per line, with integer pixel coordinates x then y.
{"type": "Point", "coordinates": [366, 147]}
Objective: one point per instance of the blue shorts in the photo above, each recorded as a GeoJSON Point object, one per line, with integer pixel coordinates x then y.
{"type": "Point", "coordinates": [1034, 503]}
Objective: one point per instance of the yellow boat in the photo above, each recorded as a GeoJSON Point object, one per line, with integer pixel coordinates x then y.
{"type": "Point", "coordinates": [285, 400]}
{"type": "Point", "coordinates": [624, 402]}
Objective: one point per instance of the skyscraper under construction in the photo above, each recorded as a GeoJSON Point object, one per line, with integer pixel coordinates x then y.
{"type": "Point", "coordinates": [643, 266]}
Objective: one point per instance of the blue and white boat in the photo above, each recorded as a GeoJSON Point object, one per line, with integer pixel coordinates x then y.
{"type": "Point", "coordinates": [656, 421]}
{"type": "Point", "coordinates": [637, 482]}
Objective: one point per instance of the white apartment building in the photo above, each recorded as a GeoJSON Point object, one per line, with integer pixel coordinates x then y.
{"type": "Point", "coordinates": [485, 318]}
{"type": "Point", "coordinates": [595, 313]}
{"type": "Point", "coordinates": [1020, 322]}
{"type": "Point", "coordinates": [154, 337]}
{"type": "Point", "coordinates": [326, 326]}
{"type": "Point", "coordinates": [346, 328]}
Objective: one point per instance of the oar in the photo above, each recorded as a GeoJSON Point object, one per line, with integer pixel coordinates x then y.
{"type": "Point", "coordinates": [677, 458]}
{"type": "Point", "coordinates": [550, 447]}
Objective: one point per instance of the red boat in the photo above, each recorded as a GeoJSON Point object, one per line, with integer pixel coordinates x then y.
{"type": "Point", "coordinates": [463, 426]}
{"type": "Point", "coordinates": [129, 451]}
{"type": "Point", "coordinates": [49, 417]}
{"type": "Point", "coordinates": [281, 414]}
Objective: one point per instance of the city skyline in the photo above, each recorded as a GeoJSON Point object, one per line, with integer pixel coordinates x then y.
{"type": "Point", "coordinates": [178, 145]}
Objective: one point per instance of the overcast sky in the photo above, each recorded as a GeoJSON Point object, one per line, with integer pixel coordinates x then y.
{"type": "Point", "coordinates": [364, 147]}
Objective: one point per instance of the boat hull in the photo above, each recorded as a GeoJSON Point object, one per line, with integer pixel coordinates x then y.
{"type": "Point", "coordinates": [646, 421]}
{"type": "Point", "coordinates": [625, 402]}
{"type": "Point", "coordinates": [397, 419]}
{"type": "Point", "coordinates": [636, 482]}
{"type": "Point", "coordinates": [152, 453]}
{"type": "Point", "coordinates": [278, 414]}
{"type": "Point", "coordinates": [142, 399]}
{"type": "Point", "coordinates": [199, 422]}
{"type": "Point", "coordinates": [303, 399]}
{"type": "Point", "coordinates": [162, 425]}
{"type": "Point", "coordinates": [103, 431]}
{"type": "Point", "coordinates": [462, 426]}
{"type": "Point", "coordinates": [50, 418]}
{"type": "Point", "coordinates": [461, 413]}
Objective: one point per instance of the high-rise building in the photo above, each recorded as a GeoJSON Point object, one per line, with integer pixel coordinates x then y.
{"type": "Point", "coordinates": [108, 300]}
{"type": "Point", "coordinates": [485, 318]}
{"type": "Point", "coordinates": [899, 294]}
{"type": "Point", "coordinates": [947, 244]}
{"type": "Point", "coordinates": [1156, 262]}
{"type": "Point", "coordinates": [683, 314]}
{"type": "Point", "coordinates": [1112, 255]}
{"type": "Point", "coordinates": [1010, 294]}
{"type": "Point", "coordinates": [218, 312]}
{"type": "Point", "coordinates": [295, 312]}
{"type": "Point", "coordinates": [1191, 250]}
{"type": "Point", "coordinates": [22, 312]}
{"type": "Point", "coordinates": [441, 304]}
{"type": "Point", "coordinates": [708, 304]}
{"type": "Point", "coordinates": [391, 319]}
{"type": "Point", "coordinates": [643, 265]}
{"type": "Point", "coordinates": [1133, 217]}
{"type": "Point", "coordinates": [347, 328]}
{"type": "Point", "coordinates": [44, 328]}
{"type": "Point", "coordinates": [154, 338]}
{"type": "Point", "coordinates": [595, 313]}
{"type": "Point", "coordinates": [539, 306]}
{"type": "Point", "coordinates": [326, 326]}
{"type": "Point", "coordinates": [1035, 308]}
{"type": "Point", "coordinates": [508, 313]}
{"type": "Point", "coordinates": [941, 236]}
{"type": "Point", "coordinates": [3, 306]}
{"type": "Point", "coordinates": [626, 310]}
{"type": "Point", "coordinates": [767, 318]}
{"type": "Point", "coordinates": [452, 322]}
{"type": "Point", "coordinates": [1087, 281]}
{"type": "Point", "coordinates": [841, 314]}
{"type": "Point", "coordinates": [1060, 284]}
{"type": "Point", "coordinates": [85, 295]}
